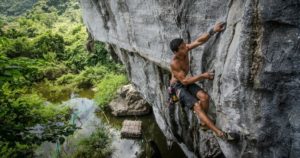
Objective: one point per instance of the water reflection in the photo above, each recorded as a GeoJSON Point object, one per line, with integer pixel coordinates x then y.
{"type": "Point", "coordinates": [89, 116]}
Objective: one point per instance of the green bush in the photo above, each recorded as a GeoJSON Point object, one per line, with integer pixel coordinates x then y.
{"type": "Point", "coordinates": [19, 150]}
{"type": "Point", "coordinates": [53, 71]}
{"type": "Point", "coordinates": [107, 88]}
{"type": "Point", "coordinates": [87, 78]}
{"type": "Point", "coordinates": [16, 47]}
{"type": "Point", "coordinates": [49, 42]}
{"type": "Point", "coordinates": [33, 48]}
{"type": "Point", "coordinates": [23, 71]}
{"type": "Point", "coordinates": [96, 146]}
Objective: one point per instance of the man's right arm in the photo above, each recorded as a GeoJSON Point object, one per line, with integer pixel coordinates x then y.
{"type": "Point", "coordinates": [220, 26]}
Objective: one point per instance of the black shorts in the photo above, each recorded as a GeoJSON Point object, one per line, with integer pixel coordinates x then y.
{"type": "Point", "coordinates": [187, 94]}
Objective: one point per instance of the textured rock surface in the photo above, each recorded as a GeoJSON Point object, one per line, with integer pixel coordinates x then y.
{"type": "Point", "coordinates": [129, 102]}
{"type": "Point", "coordinates": [257, 62]}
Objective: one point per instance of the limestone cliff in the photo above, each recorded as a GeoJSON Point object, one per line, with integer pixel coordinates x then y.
{"type": "Point", "coordinates": [257, 62]}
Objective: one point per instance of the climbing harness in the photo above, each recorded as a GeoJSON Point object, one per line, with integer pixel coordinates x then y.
{"type": "Point", "coordinates": [173, 98]}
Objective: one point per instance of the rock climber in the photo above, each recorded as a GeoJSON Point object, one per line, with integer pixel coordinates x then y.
{"type": "Point", "coordinates": [189, 93]}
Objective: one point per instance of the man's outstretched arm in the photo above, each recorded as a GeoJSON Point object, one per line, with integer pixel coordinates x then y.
{"type": "Point", "coordinates": [205, 36]}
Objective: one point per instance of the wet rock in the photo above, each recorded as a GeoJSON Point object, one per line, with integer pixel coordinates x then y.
{"type": "Point", "coordinates": [129, 102]}
{"type": "Point", "coordinates": [256, 60]}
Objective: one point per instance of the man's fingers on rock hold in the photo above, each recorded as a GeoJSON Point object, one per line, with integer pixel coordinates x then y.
{"type": "Point", "coordinates": [212, 71]}
{"type": "Point", "coordinates": [222, 25]}
{"type": "Point", "coordinates": [211, 75]}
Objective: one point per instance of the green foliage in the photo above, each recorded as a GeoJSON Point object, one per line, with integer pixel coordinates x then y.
{"type": "Point", "coordinates": [20, 112]}
{"type": "Point", "coordinates": [95, 146]}
{"type": "Point", "coordinates": [15, 7]}
{"type": "Point", "coordinates": [14, 46]}
{"type": "Point", "coordinates": [85, 79]}
{"type": "Point", "coordinates": [47, 44]}
{"type": "Point", "coordinates": [100, 54]}
{"type": "Point", "coordinates": [23, 71]}
{"type": "Point", "coordinates": [61, 5]}
{"type": "Point", "coordinates": [43, 32]}
{"type": "Point", "coordinates": [107, 88]}
{"type": "Point", "coordinates": [18, 150]}
{"type": "Point", "coordinates": [17, 72]}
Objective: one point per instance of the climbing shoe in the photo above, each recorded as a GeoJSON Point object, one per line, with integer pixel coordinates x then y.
{"type": "Point", "coordinates": [230, 136]}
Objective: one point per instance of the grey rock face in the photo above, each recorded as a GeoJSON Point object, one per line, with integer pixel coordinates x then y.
{"type": "Point", "coordinates": [129, 102]}
{"type": "Point", "coordinates": [256, 60]}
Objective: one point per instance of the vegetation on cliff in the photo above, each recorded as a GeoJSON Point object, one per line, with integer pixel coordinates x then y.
{"type": "Point", "coordinates": [44, 41]}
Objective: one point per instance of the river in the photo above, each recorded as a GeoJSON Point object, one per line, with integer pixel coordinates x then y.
{"type": "Point", "coordinates": [91, 116]}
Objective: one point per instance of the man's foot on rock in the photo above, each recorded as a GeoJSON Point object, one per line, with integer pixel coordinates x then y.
{"type": "Point", "coordinates": [230, 136]}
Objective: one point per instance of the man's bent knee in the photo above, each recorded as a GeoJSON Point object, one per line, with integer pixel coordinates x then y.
{"type": "Point", "coordinates": [203, 96]}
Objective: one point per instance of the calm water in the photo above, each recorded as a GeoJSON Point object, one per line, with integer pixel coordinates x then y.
{"type": "Point", "coordinates": [91, 116]}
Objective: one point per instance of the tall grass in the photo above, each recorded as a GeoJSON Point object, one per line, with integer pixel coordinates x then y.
{"type": "Point", "coordinates": [107, 88]}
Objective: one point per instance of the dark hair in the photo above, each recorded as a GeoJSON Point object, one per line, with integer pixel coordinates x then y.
{"type": "Point", "coordinates": [175, 43]}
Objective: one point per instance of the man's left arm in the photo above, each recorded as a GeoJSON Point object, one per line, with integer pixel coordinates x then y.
{"type": "Point", "coordinates": [205, 36]}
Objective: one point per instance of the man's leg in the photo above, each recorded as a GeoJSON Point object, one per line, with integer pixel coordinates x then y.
{"type": "Point", "coordinates": [205, 119]}
{"type": "Point", "coordinates": [204, 100]}
{"type": "Point", "coordinates": [200, 94]}
{"type": "Point", "coordinates": [189, 99]}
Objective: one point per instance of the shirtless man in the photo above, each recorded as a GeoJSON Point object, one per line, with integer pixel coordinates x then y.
{"type": "Point", "coordinates": [189, 92]}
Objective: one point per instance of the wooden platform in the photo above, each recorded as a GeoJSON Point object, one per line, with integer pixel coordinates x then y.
{"type": "Point", "coordinates": [131, 129]}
